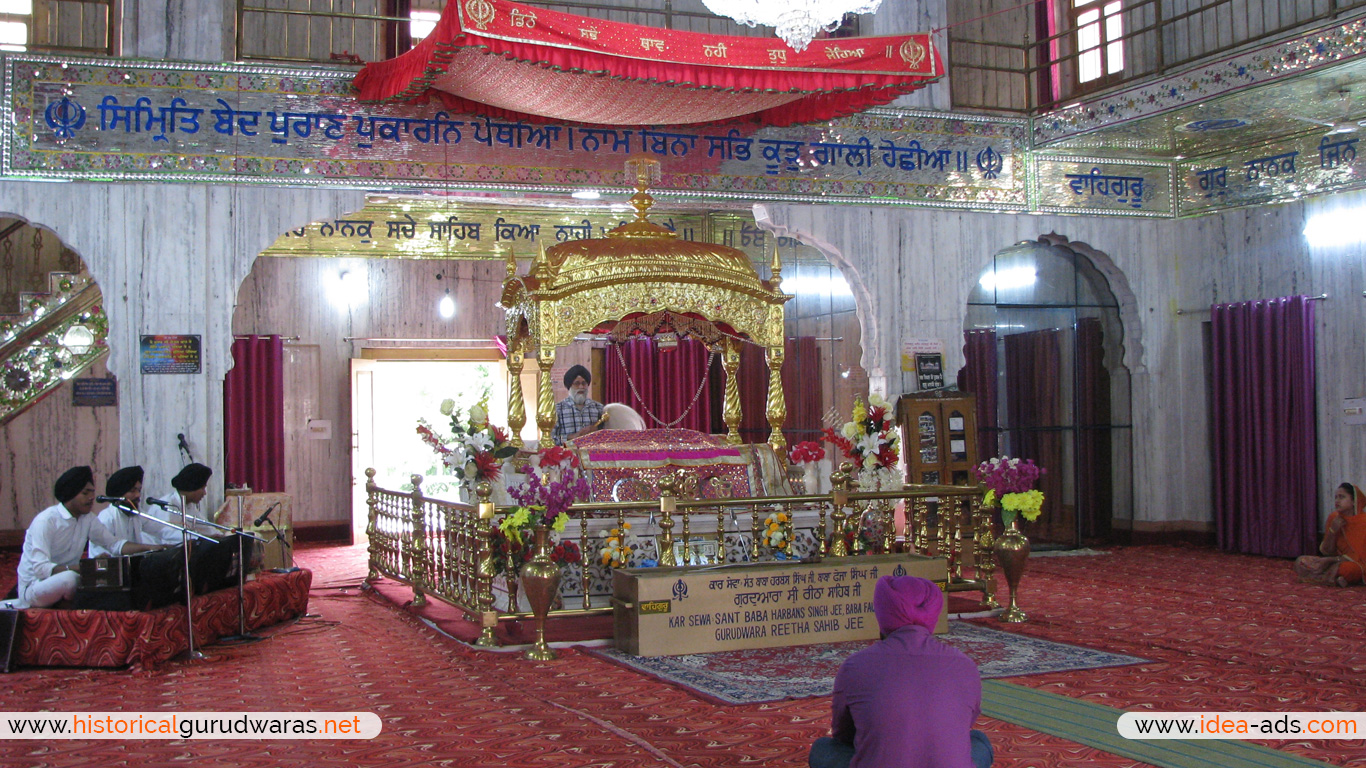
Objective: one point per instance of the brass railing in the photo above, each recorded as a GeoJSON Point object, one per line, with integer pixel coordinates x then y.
{"type": "Point", "coordinates": [443, 549]}
{"type": "Point", "coordinates": [997, 65]}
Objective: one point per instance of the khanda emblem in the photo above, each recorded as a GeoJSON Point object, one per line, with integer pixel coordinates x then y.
{"type": "Point", "coordinates": [481, 12]}
{"type": "Point", "coordinates": [680, 589]}
{"type": "Point", "coordinates": [912, 53]}
{"type": "Point", "coordinates": [900, 570]}
{"type": "Point", "coordinates": [990, 162]}
{"type": "Point", "coordinates": [64, 117]}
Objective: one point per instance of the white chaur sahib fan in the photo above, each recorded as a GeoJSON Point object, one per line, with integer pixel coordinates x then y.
{"type": "Point", "coordinates": [1343, 124]}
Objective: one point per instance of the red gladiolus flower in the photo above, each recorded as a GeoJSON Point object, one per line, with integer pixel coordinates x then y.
{"type": "Point", "coordinates": [486, 466]}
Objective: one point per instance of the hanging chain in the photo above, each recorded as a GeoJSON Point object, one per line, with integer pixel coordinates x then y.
{"type": "Point", "coordinates": [636, 394]}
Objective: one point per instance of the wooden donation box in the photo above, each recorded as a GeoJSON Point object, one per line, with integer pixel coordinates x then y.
{"type": "Point", "coordinates": [939, 430]}
{"type": "Point", "coordinates": [675, 611]}
{"type": "Point", "coordinates": [278, 554]}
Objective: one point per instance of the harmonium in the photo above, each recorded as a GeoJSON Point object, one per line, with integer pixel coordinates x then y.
{"type": "Point", "coordinates": [107, 582]}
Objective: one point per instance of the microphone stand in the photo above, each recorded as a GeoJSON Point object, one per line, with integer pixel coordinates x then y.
{"type": "Point", "coordinates": [191, 653]}
{"type": "Point", "coordinates": [243, 636]}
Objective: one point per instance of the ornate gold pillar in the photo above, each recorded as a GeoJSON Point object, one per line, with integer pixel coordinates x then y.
{"type": "Point", "coordinates": [516, 405]}
{"type": "Point", "coordinates": [730, 362]}
{"type": "Point", "coordinates": [777, 407]}
{"type": "Point", "coordinates": [545, 397]}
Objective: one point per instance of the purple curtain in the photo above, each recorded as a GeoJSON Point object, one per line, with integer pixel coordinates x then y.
{"type": "Point", "coordinates": [1264, 441]}
{"type": "Point", "coordinates": [1034, 419]}
{"type": "Point", "coordinates": [254, 412]}
{"type": "Point", "coordinates": [979, 377]}
{"type": "Point", "coordinates": [665, 379]}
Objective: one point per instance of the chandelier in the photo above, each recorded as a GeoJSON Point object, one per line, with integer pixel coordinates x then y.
{"type": "Point", "coordinates": [797, 22]}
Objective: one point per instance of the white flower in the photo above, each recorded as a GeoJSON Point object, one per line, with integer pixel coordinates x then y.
{"type": "Point", "coordinates": [877, 400]}
{"type": "Point", "coordinates": [850, 430]}
{"type": "Point", "coordinates": [447, 407]}
{"type": "Point", "coordinates": [478, 415]}
{"type": "Point", "coordinates": [478, 441]}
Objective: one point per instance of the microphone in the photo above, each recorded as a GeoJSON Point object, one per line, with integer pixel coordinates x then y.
{"type": "Point", "coordinates": [162, 504]}
{"type": "Point", "coordinates": [119, 502]}
{"type": "Point", "coordinates": [266, 514]}
{"type": "Point", "coordinates": [184, 446]}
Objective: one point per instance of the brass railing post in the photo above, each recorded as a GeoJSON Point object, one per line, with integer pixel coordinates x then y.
{"type": "Point", "coordinates": [488, 618]}
{"type": "Point", "coordinates": [419, 551]}
{"type": "Point", "coordinates": [371, 528]}
{"type": "Point", "coordinates": [984, 558]}
{"type": "Point", "coordinates": [839, 499]}
{"type": "Point", "coordinates": [667, 506]}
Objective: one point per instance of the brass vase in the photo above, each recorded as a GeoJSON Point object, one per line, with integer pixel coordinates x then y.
{"type": "Point", "coordinates": [541, 580]}
{"type": "Point", "coordinates": [1012, 553]}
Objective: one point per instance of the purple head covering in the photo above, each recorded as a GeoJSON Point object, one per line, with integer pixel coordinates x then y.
{"type": "Point", "coordinates": [902, 600]}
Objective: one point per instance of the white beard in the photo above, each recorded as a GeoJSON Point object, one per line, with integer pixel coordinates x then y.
{"type": "Point", "coordinates": [579, 398]}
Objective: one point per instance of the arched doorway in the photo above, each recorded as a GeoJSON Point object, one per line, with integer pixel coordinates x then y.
{"type": "Point", "coordinates": [1044, 345]}
{"type": "Point", "coordinates": [53, 336]}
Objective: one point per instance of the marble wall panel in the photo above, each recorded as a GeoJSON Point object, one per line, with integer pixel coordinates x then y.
{"type": "Point", "coordinates": [913, 271]}
{"type": "Point", "coordinates": [168, 259]}
{"type": "Point", "coordinates": [42, 443]}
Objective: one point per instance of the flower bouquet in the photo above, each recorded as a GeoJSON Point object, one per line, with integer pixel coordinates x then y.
{"type": "Point", "coordinates": [869, 440]}
{"type": "Point", "coordinates": [513, 544]}
{"type": "Point", "coordinates": [476, 450]}
{"type": "Point", "coordinates": [617, 546]}
{"type": "Point", "coordinates": [553, 482]}
{"type": "Point", "coordinates": [776, 533]}
{"type": "Point", "coordinates": [1010, 482]}
{"type": "Point", "coordinates": [808, 455]}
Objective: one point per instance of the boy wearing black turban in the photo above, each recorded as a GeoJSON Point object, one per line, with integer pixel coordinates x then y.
{"type": "Point", "coordinates": [49, 567]}
{"type": "Point", "coordinates": [125, 484]}
{"type": "Point", "coordinates": [189, 487]}
{"type": "Point", "coordinates": [577, 414]}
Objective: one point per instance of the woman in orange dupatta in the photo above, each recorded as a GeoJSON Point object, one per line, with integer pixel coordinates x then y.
{"type": "Point", "coordinates": [1344, 543]}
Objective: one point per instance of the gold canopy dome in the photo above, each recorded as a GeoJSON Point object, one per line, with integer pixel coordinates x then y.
{"type": "Point", "coordinates": [641, 268]}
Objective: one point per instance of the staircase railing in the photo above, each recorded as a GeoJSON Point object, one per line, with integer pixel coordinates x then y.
{"type": "Point", "coordinates": [55, 337]}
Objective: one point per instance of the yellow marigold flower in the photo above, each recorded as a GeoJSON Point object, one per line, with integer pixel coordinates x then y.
{"type": "Point", "coordinates": [989, 500]}
{"type": "Point", "coordinates": [782, 517]}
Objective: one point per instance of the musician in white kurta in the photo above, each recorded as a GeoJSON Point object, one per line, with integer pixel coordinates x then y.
{"type": "Point", "coordinates": [188, 488]}
{"type": "Point", "coordinates": [49, 570]}
{"type": "Point", "coordinates": [127, 485]}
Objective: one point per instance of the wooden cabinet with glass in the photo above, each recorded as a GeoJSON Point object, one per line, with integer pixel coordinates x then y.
{"type": "Point", "coordinates": [939, 436]}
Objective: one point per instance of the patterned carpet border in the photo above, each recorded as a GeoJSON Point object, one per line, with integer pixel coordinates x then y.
{"type": "Point", "coordinates": [1094, 725]}
{"type": "Point", "coordinates": [759, 676]}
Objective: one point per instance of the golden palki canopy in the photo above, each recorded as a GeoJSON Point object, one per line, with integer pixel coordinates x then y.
{"type": "Point", "coordinates": [643, 269]}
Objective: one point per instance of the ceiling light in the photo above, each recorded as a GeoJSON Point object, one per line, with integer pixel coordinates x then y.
{"type": "Point", "coordinates": [1340, 227]}
{"type": "Point", "coordinates": [351, 289]}
{"type": "Point", "coordinates": [586, 194]}
{"type": "Point", "coordinates": [446, 307]}
{"type": "Point", "coordinates": [1011, 277]}
{"type": "Point", "coordinates": [797, 22]}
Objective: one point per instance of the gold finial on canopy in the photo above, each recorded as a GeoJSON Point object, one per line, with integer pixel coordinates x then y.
{"type": "Point", "coordinates": [641, 268]}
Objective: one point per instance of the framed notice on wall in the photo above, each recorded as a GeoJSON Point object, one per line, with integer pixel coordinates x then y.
{"type": "Point", "coordinates": [929, 371]}
{"type": "Point", "coordinates": [171, 354]}
{"type": "Point", "coordinates": [95, 391]}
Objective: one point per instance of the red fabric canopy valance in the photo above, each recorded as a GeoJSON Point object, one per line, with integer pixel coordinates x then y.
{"type": "Point", "coordinates": [503, 59]}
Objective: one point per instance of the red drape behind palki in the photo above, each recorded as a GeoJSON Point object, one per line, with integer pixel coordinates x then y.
{"type": "Point", "coordinates": [499, 58]}
{"type": "Point", "coordinates": [667, 380]}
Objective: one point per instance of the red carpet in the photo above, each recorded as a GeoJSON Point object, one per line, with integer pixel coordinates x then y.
{"type": "Point", "coordinates": [444, 704]}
